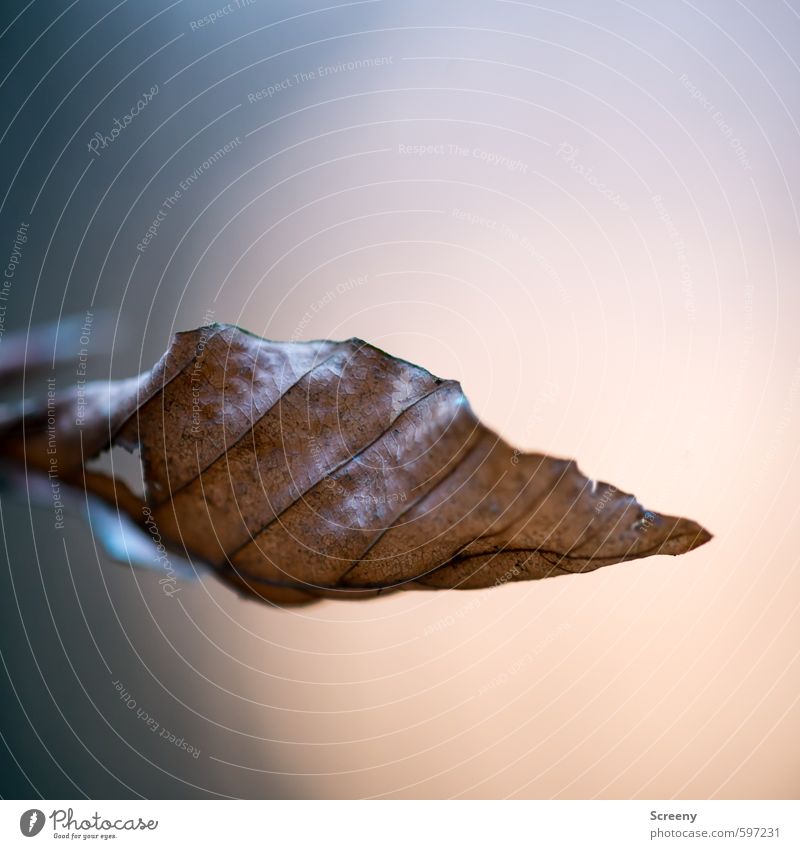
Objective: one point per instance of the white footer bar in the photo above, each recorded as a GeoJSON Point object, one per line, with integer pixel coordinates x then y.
{"type": "Point", "coordinates": [389, 824]}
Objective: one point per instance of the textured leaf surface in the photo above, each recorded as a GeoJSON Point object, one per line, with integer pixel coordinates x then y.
{"type": "Point", "coordinates": [331, 468]}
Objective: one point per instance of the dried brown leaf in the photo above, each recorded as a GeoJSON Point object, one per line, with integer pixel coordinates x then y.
{"type": "Point", "coordinates": [332, 468]}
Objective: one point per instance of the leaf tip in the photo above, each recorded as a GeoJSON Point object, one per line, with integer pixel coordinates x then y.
{"type": "Point", "coordinates": [684, 536]}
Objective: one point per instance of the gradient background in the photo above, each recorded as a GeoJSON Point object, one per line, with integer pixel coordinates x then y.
{"type": "Point", "coordinates": [631, 300]}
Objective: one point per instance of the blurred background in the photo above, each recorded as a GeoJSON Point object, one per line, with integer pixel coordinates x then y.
{"type": "Point", "coordinates": [585, 213]}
